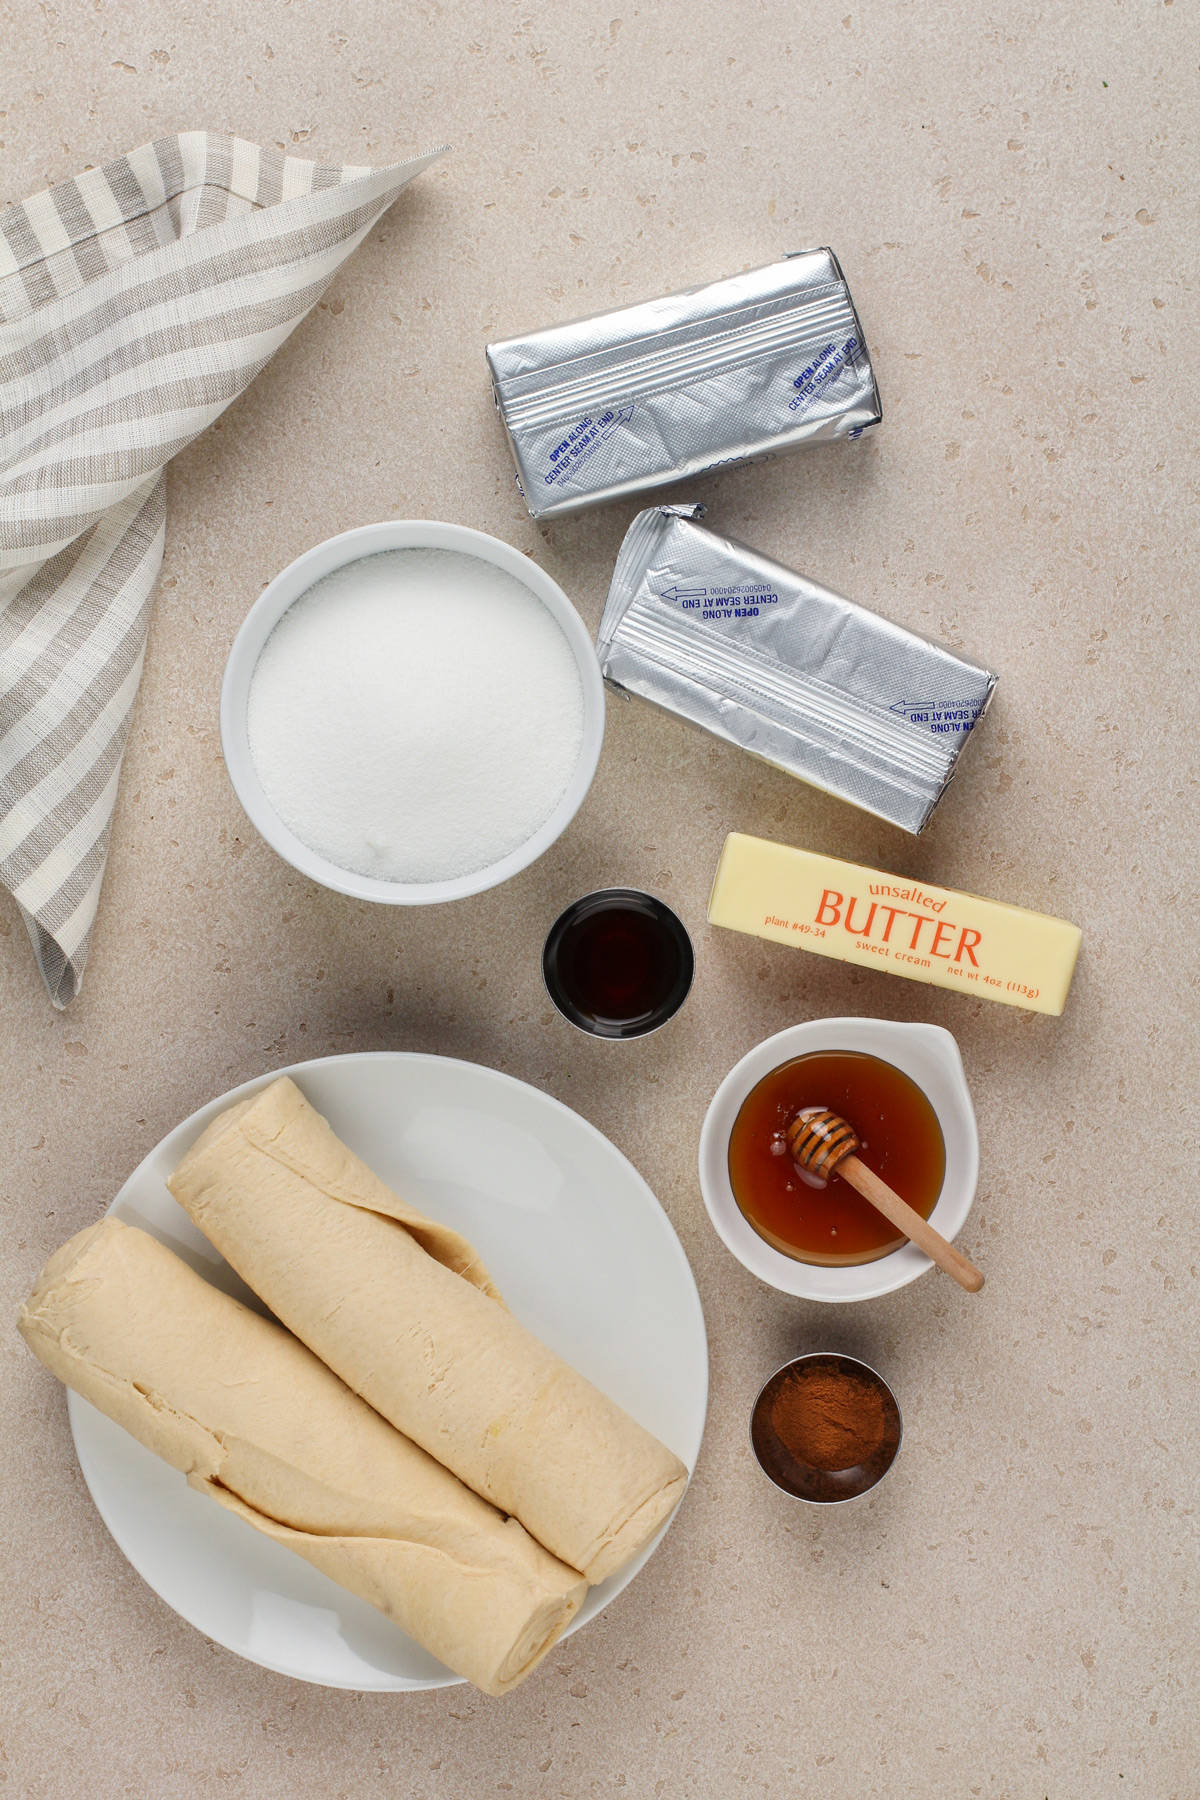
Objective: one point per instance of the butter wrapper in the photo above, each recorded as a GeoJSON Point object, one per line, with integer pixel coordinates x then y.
{"type": "Point", "coordinates": [880, 921]}
{"type": "Point", "coordinates": [739, 369]}
{"type": "Point", "coordinates": [788, 670]}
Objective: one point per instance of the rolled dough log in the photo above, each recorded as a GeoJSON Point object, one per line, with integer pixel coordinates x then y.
{"type": "Point", "coordinates": [255, 1420]}
{"type": "Point", "coordinates": [404, 1312]}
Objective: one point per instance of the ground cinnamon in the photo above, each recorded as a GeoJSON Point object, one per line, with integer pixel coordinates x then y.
{"type": "Point", "coordinates": [828, 1418]}
{"type": "Point", "coordinates": [826, 1427]}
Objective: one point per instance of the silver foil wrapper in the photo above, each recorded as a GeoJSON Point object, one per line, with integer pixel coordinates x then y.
{"type": "Point", "coordinates": [739, 369]}
{"type": "Point", "coordinates": [797, 675]}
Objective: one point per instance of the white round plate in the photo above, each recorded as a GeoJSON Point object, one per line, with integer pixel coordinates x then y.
{"type": "Point", "coordinates": [582, 1252]}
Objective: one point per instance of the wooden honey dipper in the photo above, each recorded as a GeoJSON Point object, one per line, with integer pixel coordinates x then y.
{"type": "Point", "coordinates": [821, 1142]}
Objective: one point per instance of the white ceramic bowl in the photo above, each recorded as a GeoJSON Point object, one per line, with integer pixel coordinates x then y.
{"type": "Point", "coordinates": [929, 1056]}
{"type": "Point", "coordinates": [265, 614]}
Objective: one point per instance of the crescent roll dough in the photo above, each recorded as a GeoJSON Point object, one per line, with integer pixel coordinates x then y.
{"type": "Point", "coordinates": [255, 1420]}
{"type": "Point", "coordinates": [405, 1313]}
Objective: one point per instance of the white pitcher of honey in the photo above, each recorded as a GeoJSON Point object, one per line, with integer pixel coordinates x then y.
{"type": "Point", "coordinates": [903, 1089]}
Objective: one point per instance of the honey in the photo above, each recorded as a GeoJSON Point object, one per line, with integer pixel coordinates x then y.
{"type": "Point", "coordinates": [830, 1223]}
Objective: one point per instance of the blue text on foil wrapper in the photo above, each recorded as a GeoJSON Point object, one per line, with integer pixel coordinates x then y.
{"type": "Point", "coordinates": [821, 369]}
{"type": "Point", "coordinates": [742, 600]}
{"type": "Point", "coordinates": [949, 718]}
{"type": "Point", "coordinates": [582, 439]}
{"type": "Point", "coordinates": [807, 374]}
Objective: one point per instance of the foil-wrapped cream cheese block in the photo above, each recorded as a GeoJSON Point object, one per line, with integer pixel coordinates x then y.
{"type": "Point", "coordinates": [787, 669]}
{"type": "Point", "coordinates": [911, 928]}
{"type": "Point", "coordinates": [765, 361]}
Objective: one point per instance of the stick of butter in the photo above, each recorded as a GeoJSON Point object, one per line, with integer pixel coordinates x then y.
{"type": "Point", "coordinates": [882, 921]}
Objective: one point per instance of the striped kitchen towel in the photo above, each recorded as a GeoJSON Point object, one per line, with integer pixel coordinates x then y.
{"type": "Point", "coordinates": [136, 302]}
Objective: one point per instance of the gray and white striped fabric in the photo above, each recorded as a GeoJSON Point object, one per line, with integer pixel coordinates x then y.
{"type": "Point", "coordinates": [136, 302]}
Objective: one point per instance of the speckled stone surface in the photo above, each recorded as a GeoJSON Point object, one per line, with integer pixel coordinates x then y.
{"type": "Point", "coordinates": [1013, 1615]}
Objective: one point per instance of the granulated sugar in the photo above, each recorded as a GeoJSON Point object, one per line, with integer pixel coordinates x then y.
{"type": "Point", "coordinates": [416, 715]}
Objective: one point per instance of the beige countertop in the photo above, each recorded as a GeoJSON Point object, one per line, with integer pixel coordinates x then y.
{"type": "Point", "coordinates": [1012, 1615]}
